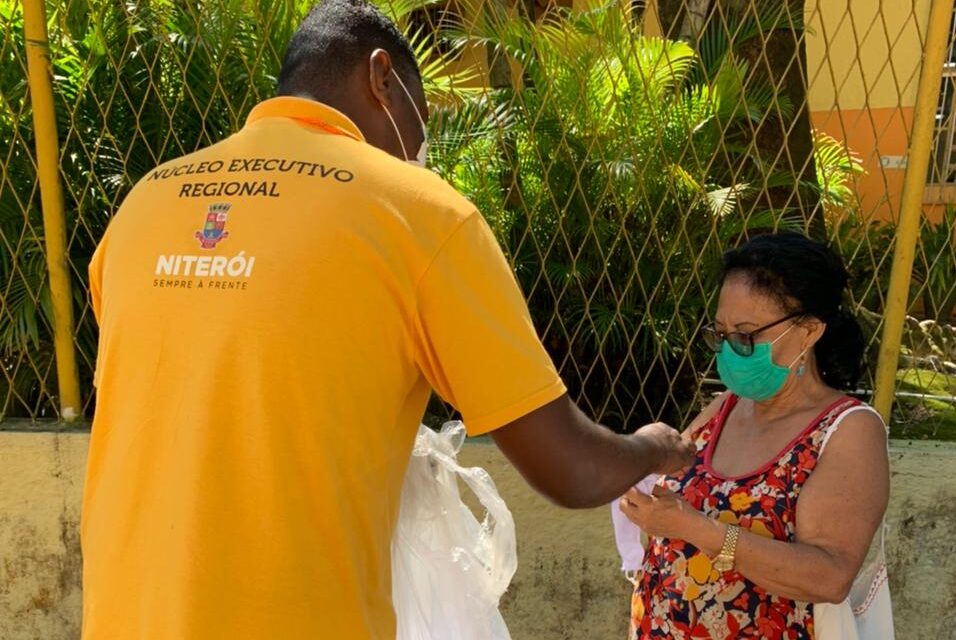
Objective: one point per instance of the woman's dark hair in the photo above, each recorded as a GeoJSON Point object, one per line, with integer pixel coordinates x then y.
{"type": "Point", "coordinates": [805, 276]}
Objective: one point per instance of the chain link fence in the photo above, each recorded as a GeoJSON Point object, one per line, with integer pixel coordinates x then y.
{"type": "Point", "coordinates": [616, 149]}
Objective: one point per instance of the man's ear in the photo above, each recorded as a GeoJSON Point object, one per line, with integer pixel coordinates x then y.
{"type": "Point", "coordinates": [380, 77]}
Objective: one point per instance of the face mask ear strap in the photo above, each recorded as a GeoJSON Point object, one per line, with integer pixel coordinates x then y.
{"type": "Point", "coordinates": [397, 132]}
{"type": "Point", "coordinates": [799, 357]}
{"type": "Point", "coordinates": [780, 337]}
{"type": "Point", "coordinates": [802, 353]}
{"type": "Point", "coordinates": [409, 96]}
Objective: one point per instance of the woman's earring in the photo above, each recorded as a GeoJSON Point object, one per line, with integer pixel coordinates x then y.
{"type": "Point", "coordinates": [802, 368]}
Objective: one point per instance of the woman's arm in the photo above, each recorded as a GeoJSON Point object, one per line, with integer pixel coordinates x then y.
{"type": "Point", "coordinates": [838, 512]}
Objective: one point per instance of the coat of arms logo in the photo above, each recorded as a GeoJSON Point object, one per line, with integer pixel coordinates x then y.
{"type": "Point", "coordinates": [213, 232]}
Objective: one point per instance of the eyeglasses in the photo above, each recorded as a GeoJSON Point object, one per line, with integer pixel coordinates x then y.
{"type": "Point", "coordinates": [742, 343]}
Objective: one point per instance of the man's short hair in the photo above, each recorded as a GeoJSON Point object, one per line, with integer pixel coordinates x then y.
{"type": "Point", "coordinates": [333, 38]}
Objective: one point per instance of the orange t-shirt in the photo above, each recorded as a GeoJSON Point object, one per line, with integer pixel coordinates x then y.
{"type": "Point", "coordinates": [274, 310]}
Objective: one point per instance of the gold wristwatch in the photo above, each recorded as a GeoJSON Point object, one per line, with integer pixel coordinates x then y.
{"type": "Point", "coordinates": [728, 553]}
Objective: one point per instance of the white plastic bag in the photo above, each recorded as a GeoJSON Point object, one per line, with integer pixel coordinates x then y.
{"type": "Point", "coordinates": [448, 570]}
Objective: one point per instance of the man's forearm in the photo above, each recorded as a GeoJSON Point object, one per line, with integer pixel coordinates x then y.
{"type": "Point", "coordinates": [608, 466]}
{"type": "Point", "coordinates": [573, 461]}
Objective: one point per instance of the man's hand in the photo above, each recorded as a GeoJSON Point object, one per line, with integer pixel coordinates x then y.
{"type": "Point", "coordinates": [673, 453]}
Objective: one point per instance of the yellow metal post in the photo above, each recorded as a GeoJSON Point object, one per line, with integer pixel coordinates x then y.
{"type": "Point", "coordinates": [911, 205]}
{"type": "Point", "coordinates": [51, 200]}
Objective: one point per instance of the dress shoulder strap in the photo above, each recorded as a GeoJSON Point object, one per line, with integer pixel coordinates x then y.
{"type": "Point", "coordinates": [844, 412]}
{"type": "Point", "coordinates": [716, 421]}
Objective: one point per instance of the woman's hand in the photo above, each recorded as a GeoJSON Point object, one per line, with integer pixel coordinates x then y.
{"type": "Point", "coordinates": [663, 514]}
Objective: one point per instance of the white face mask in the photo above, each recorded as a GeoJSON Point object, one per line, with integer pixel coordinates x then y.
{"type": "Point", "coordinates": [422, 155]}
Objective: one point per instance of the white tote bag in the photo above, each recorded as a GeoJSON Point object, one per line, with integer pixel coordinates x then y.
{"type": "Point", "coordinates": [867, 614]}
{"type": "Point", "coordinates": [449, 570]}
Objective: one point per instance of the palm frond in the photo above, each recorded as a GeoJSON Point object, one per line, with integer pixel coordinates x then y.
{"type": "Point", "coordinates": [723, 202]}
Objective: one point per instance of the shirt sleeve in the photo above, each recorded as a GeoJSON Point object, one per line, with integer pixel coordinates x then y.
{"type": "Point", "coordinates": [478, 347]}
{"type": "Point", "coordinates": [96, 278]}
{"type": "Point", "coordinates": [96, 291]}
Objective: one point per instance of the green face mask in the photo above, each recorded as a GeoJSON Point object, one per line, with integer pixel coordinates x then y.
{"type": "Point", "coordinates": [756, 376]}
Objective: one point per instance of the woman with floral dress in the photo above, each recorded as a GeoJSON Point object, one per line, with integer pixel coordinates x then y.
{"type": "Point", "coordinates": [763, 526]}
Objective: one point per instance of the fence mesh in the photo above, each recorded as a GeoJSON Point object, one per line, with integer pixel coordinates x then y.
{"type": "Point", "coordinates": [26, 355]}
{"type": "Point", "coordinates": [616, 149]}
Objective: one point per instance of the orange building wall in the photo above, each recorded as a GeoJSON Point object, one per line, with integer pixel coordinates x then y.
{"type": "Point", "coordinates": [872, 134]}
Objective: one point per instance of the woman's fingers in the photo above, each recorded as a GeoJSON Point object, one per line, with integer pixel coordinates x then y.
{"type": "Point", "coordinates": [636, 497]}
{"type": "Point", "coordinates": [630, 510]}
{"type": "Point", "coordinates": [662, 492]}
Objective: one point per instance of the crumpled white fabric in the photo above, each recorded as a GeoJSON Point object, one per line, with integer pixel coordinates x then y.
{"type": "Point", "coordinates": [627, 535]}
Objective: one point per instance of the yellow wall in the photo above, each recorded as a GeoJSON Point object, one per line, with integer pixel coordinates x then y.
{"type": "Point", "coordinates": [568, 585]}
{"type": "Point", "coordinates": [864, 53]}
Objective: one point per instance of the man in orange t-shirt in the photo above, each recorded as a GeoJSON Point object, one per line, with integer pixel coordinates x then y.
{"type": "Point", "coordinates": [275, 310]}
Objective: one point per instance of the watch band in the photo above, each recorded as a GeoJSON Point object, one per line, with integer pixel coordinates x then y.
{"type": "Point", "coordinates": [727, 557]}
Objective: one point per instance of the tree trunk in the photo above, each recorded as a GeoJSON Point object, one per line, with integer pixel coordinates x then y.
{"type": "Point", "coordinates": [779, 58]}
{"type": "Point", "coordinates": [787, 142]}
{"type": "Point", "coordinates": [672, 14]}
{"type": "Point", "coordinates": [501, 77]}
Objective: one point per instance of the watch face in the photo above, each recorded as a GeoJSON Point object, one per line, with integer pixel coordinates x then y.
{"type": "Point", "coordinates": [723, 564]}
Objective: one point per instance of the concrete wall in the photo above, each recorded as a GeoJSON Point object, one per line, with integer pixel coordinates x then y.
{"type": "Point", "coordinates": [567, 586]}
{"type": "Point", "coordinates": [41, 481]}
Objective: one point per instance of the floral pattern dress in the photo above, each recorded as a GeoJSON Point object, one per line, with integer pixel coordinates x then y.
{"type": "Point", "coordinates": [680, 595]}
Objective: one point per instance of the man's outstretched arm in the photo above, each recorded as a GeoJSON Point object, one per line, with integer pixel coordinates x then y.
{"type": "Point", "coordinates": [579, 464]}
